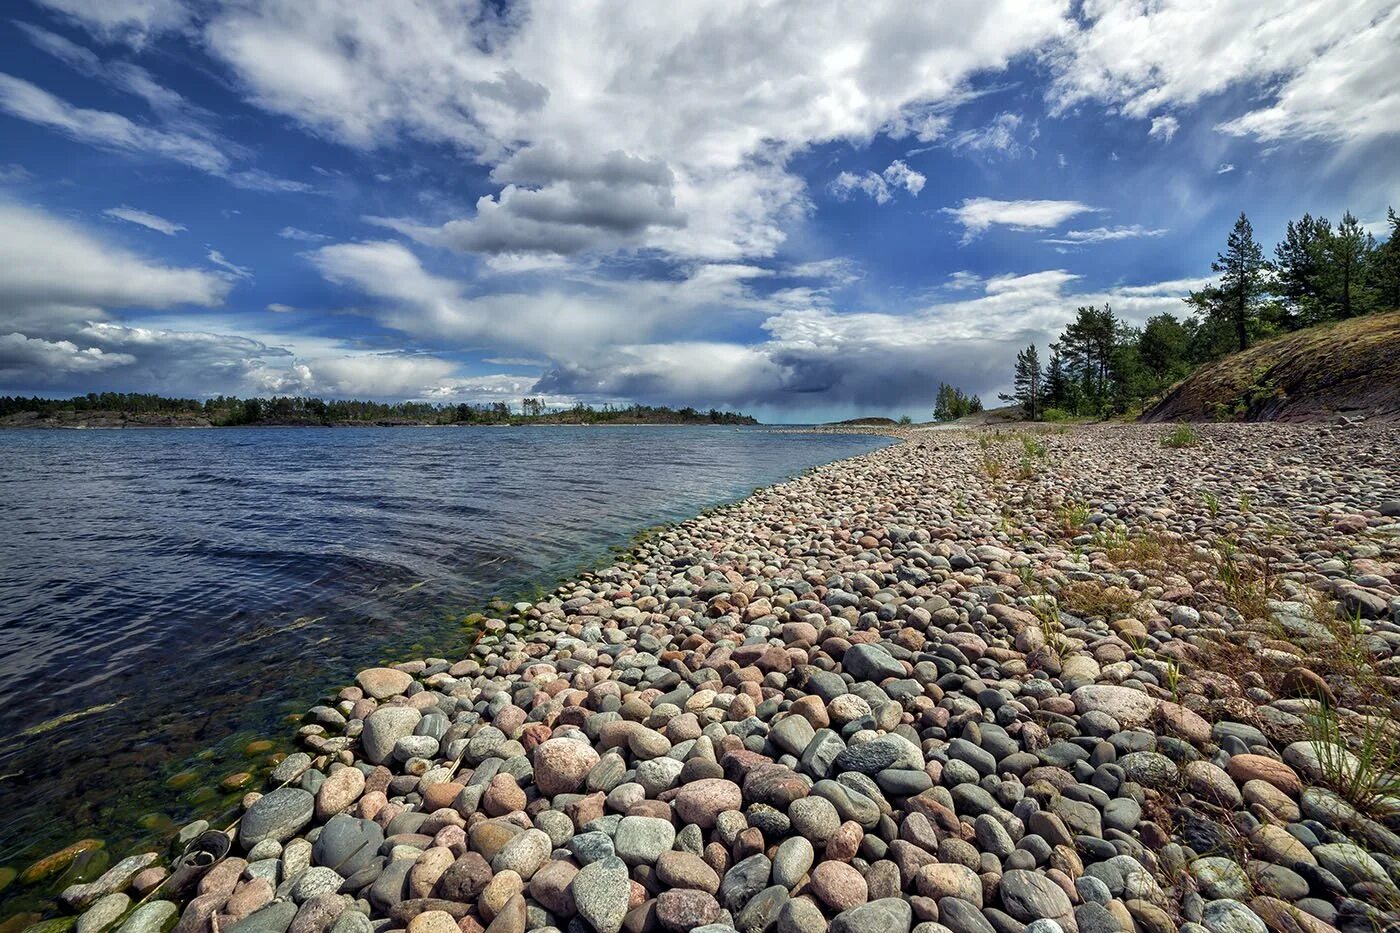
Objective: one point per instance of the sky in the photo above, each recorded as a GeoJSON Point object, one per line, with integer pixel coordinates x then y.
{"type": "Point", "coordinates": [802, 210]}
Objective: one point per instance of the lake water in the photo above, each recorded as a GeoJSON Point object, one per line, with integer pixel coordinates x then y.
{"type": "Point", "coordinates": [168, 592]}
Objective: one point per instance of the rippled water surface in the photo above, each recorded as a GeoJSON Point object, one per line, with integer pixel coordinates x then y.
{"type": "Point", "coordinates": [164, 592]}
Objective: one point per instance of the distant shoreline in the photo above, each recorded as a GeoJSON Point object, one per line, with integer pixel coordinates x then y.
{"type": "Point", "coordinates": [124, 424]}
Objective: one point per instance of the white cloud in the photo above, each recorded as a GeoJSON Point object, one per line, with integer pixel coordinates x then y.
{"type": "Point", "coordinates": [108, 130]}
{"type": "Point", "coordinates": [237, 271]}
{"type": "Point", "coordinates": [1328, 67]}
{"type": "Point", "coordinates": [52, 271]}
{"type": "Point", "coordinates": [977, 215]}
{"type": "Point", "coordinates": [304, 236]}
{"type": "Point", "coordinates": [866, 361]}
{"type": "Point", "coordinates": [1164, 127]}
{"type": "Point", "coordinates": [1225, 168]}
{"type": "Point", "coordinates": [181, 133]}
{"type": "Point", "coordinates": [278, 308]}
{"type": "Point", "coordinates": [1348, 93]}
{"type": "Point", "coordinates": [998, 137]}
{"type": "Point", "coordinates": [130, 21]}
{"type": "Point", "coordinates": [1106, 234]}
{"type": "Point", "coordinates": [581, 316]}
{"type": "Point", "coordinates": [12, 173]}
{"type": "Point", "coordinates": [145, 219]}
{"type": "Point", "coordinates": [879, 187]}
{"type": "Point", "coordinates": [24, 357]}
{"type": "Point", "coordinates": [719, 95]}
{"type": "Point", "coordinates": [377, 375]}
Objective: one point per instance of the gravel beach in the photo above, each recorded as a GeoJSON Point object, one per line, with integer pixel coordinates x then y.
{"type": "Point", "coordinates": [1056, 681]}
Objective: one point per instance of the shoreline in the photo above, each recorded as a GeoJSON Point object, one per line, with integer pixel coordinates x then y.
{"type": "Point", "coordinates": [922, 570]}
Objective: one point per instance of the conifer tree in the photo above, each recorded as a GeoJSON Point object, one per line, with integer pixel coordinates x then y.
{"type": "Point", "coordinates": [1241, 268]}
{"type": "Point", "coordinates": [1028, 383]}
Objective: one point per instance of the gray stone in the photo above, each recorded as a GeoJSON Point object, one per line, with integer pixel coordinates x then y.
{"type": "Point", "coordinates": [314, 881]}
{"type": "Point", "coordinates": [525, 853]}
{"type": "Point", "coordinates": [601, 890]}
{"type": "Point", "coordinates": [814, 818]}
{"type": "Point", "coordinates": [743, 881]}
{"type": "Point", "coordinates": [871, 663]}
{"type": "Point", "coordinates": [792, 734]}
{"type": "Point", "coordinates": [1029, 895]}
{"type": "Point", "coordinates": [278, 815]}
{"type": "Point", "coordinates": [1352, 864]}
{"type": "Point", "coordinates": [383, 729]}
{"type": "Point", "coordinates": [640, 840]}
{"type": "Point", "coordinates": [886, 915]}
{"type": "Point", "coordinates": [104, 912]}
{"type": "Point", "coordinates": [347, 844]}
{"type": "Point", "coordinates": [274, 918]}
{"type": "Point", "coordinates": [792, 861]}
{"type": "Point", "coordinates": [1218, 877]}
{"type": "Point", "coordinates": [1230, 916]}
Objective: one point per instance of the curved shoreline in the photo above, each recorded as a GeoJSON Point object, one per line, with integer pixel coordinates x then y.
{"type": "Point", "coordinates": [923, 571]}
{"type": "Point", "coordinates": [133, 788]}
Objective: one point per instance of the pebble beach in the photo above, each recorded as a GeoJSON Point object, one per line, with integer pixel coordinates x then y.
{"type": "Point", "coordinates": [1054, 680]}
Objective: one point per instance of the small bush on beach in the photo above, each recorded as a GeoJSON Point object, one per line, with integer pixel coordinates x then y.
{"type": "Point", "coordinates": [1092, 600]}
{"type": "Point", "coordinates": [1073, 515]}
{"type": "Point", "coordinates": [1183, 435]}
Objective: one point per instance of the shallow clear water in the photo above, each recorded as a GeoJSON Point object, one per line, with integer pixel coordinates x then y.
{"type": "Point", "coordinates": [181, 590]}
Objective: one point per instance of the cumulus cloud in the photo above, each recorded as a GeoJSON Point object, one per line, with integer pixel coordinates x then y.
{"type": "Point", "coordinates": [52, 271]}
{"type": "Point", "coordinates": [24, 357]}
{"type": "Point", "coordinates": [866, 361]}
{"type": "Point", "coordinates": [880, 187]}
{"type": "Point", "coordinates": [63, 292]}
{"type": "Point", "coordinates": [144, 219]}
{"type": "Point", "coordinates": [560, 319]}
{"type": "Point", "coordinates": [977, 215]}
{"type": "Point", "coordinates": [1164, 128]}
{"type": "Point", "coordinates": [1327, 67]}
{"type": "Point", "coordinates": [679, 121]}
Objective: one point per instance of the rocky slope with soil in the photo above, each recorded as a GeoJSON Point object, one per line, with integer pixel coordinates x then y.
{"type": "Point", "coordinates": [1347, 369]}
{"type": "Point", "coordinates": [978, 682]}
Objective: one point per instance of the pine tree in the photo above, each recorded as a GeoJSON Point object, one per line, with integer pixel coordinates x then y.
{"type": "Point", "coordinates": [1387, 263]}
{"type": "Point", "coordinates": [1028, 383]}
{"type": "Point", "coordinates": [1241, 268]}
{"type": "Point", "coordinates": [1298, 262]}
{"type": "Point", "coordinates": [1162, 348]}
{"type": "Point", "coordinates": [1087, 345]}
{"type": "Point", "coordinates": [1349, 254]}
{"type": "Point", "coordinates": [1057, 387]}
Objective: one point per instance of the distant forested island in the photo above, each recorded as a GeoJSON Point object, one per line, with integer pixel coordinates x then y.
{"type": "Point", "coordinates": [137, 409]}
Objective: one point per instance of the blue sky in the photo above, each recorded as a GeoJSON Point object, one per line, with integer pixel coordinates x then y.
{"type": "Point", "coordinates": [798, 209]}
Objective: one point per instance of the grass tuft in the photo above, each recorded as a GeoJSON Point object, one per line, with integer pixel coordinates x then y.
{"type": "Point", "coordinates": [1183, 435]}
{"type": "Point", "coordinates": [1359, 760]}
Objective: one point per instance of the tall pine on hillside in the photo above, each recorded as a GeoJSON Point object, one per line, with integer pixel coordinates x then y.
{"type": "Point", "coordinates": [1242, 286]}
{"type": "Point", "coordinates": [1028, 384]}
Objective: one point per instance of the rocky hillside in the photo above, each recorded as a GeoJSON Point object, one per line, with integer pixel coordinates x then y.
{"type": "Point", "coordinates": [1343, 369]}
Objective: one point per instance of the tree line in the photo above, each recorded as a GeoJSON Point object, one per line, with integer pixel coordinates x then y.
{"type": "Point", "coordinates": [952, 403]}
{"type": "Point", "coordinates": [227, 410]}
{"type": "Point", "coordinates": [1319, 273]}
